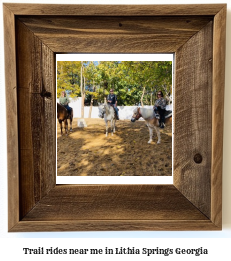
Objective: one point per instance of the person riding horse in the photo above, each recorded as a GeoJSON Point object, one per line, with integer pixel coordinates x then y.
{"type": "Point", "coordinates": [63, 100]}
{"type": "Point", "coordinates": [112, 100]}
{"type": "Point", "coordinates": [159, 108]}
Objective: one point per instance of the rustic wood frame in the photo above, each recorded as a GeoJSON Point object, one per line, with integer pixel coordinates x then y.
{"type": "Point", "coordinates": [33, 34]}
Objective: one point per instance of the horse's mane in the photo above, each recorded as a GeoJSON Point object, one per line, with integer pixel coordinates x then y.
{"type": "Point", "coordinates": [107, 109]}
{"type": "Point", "coordinates": [61, 107]}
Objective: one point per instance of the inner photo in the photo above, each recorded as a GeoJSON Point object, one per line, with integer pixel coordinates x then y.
{"type": "Point", "coordinates": [114, 118]}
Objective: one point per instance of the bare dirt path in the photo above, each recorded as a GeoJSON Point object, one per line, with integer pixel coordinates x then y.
{"type": "Point", "coordinates": [88, 152]}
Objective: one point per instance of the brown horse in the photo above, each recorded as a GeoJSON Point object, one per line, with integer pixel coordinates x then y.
{"type": "Point", "coordinates": [63, 116]}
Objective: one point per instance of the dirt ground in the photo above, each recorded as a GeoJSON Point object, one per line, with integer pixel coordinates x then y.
{"type": "Point", "coordinates": [88, 152]}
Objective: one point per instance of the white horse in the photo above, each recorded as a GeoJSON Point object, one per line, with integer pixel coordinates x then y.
{"type": "Point", "coordinates": [152, 122]}
{"type": "Point", "coordinates": [107, 112]}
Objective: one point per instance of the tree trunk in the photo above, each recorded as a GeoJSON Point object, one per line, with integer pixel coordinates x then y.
{"type": "Point", "coordinates": [90, 109]}
{"type": "Point", "coordinates": [141, 100]}
{"type": "Point", "coordinates": [91, 104]}
{"type": "Point", "coordinates": [82, 92]}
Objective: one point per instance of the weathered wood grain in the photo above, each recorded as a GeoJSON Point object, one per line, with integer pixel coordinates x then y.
{"type": "Point", "coordinates": [48, 144]}
{"type": "Point", "coordinates": [115, 34]}
{"type": "Point", "coordinates": [193, 113]}
{"type": "Point", "coordinates": [114, 225]}
{"type": "Point", "coordinates": [218, 115]}
{"type": "Point", "coordinates": [113, 207]}
{"type": "Point", "coordinates": [36, 108]}
{"type": "Point", "coordinates": [115, 10]}
{"type": "Point", "coordinates": [108, 202]}
{"type": "Point", "coordinates": [12, 117]}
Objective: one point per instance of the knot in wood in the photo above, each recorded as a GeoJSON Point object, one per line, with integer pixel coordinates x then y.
{"type": "Point", "coordinates": [198, 158]}
{"type": "Point", "coordinates": [45, 94]}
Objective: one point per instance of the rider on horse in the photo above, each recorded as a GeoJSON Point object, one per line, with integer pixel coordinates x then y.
{"type": "Point", "coordinates": [63, 100]}
{"type": "Point", "coordinates": [159, 108]}
{"type": "Point", "coordinates": [112, 100]}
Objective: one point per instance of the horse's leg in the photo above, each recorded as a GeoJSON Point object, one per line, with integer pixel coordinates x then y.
{"type": "Point", "coordinates": [112, 127]}
{"type": "Point", "coordinates": [114, 123]}
{"type": "Point", "coordinates": [70, 124]}
{"type": "Point", "coordinates": [150, 133]}
{"type": "Point", "coordinates": [154, 124]}
{"type": "Point", "coordinates": [106, 128]}
{"type": "Point", "coordinates": [61, 127]}
{"type": "Point", "coordinates": [158, 134]}
{"type": "Point", "coordinates": [66, 125]}
{"type": "Point", "coordinates": [71, 118]}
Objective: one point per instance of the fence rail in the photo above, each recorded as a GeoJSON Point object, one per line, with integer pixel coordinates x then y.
{"type": "Point", "coordinates": [125, 112]}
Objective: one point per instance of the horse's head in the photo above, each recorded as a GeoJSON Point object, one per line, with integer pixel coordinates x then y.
{"type": "Point", "coordinates": [136, 114]}
{"type": "Point", "coordinates": [101, 110]}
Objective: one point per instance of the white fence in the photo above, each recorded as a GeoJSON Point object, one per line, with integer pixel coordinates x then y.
{"type": "Point", "coordinates": [125, 112]}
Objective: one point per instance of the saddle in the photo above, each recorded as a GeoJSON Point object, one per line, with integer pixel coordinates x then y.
{"type": "Point", "coordinates": [68, 113]}
{"type": "Point", "coordinates": [116, 116]}
{"type": "Point", "coordinates": [167, 114]}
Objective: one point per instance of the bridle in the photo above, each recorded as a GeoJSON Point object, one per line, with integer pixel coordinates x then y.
{"type": "Point", "coordinates": [138, 114]}
{"type": "Point", "coordinates": [102, 111]}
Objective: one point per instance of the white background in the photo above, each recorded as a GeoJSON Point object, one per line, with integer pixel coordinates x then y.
{"type": "Point", "coordinates": [218, 243]}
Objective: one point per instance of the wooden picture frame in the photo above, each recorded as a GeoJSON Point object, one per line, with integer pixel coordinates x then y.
{"type": "Point", "coordinates": [33, 34]}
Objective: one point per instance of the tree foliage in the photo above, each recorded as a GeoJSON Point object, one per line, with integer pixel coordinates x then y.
{"type": "Point", "coordinates": [127, 78]}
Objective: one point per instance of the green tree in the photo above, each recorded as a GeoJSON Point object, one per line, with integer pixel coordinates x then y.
{"type": "Point", "coordinates": [68, 77]}
{"type": "Point", "coordinates": [129, 79]}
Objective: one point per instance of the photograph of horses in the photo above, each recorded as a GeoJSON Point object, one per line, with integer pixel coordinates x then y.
{"type": "Point", "coordinates": [114, 118]}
